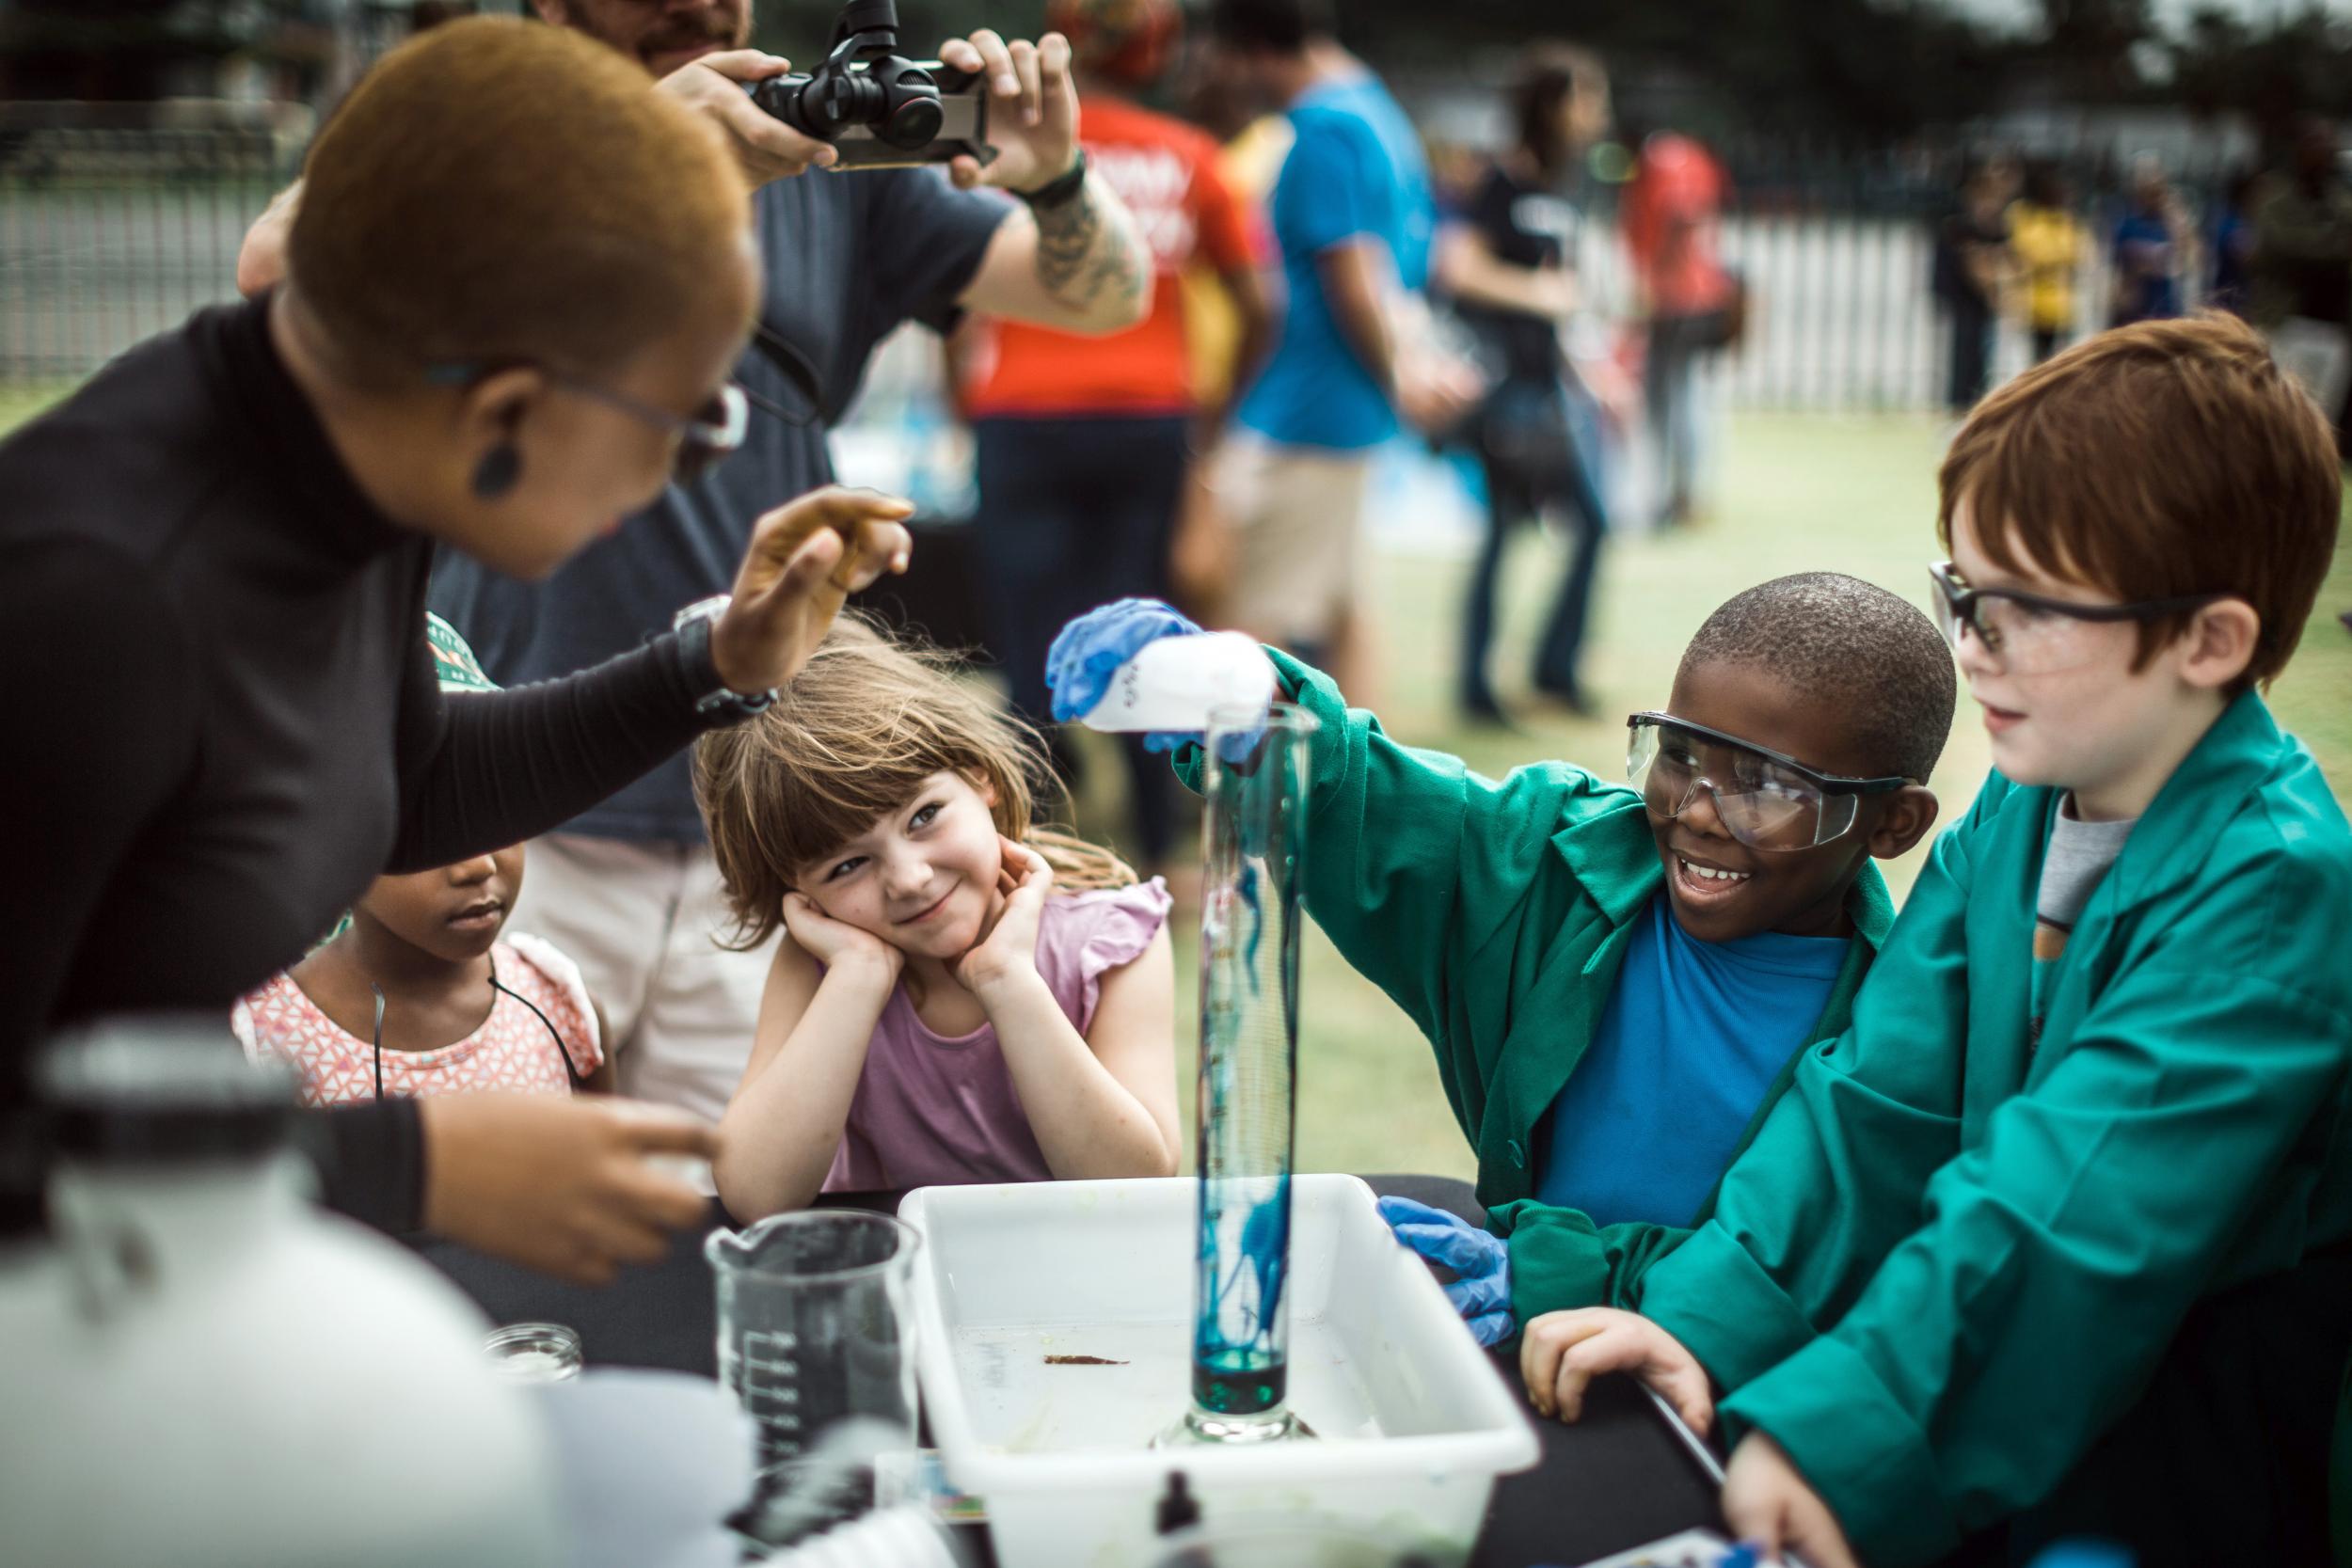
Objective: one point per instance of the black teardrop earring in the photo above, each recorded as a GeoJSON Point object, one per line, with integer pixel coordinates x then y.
{"type": "Point", "coordinates": [496, 474]}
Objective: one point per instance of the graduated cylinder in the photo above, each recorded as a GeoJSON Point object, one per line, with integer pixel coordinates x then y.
{"type": "Point", "coordinates": [1255, 849]}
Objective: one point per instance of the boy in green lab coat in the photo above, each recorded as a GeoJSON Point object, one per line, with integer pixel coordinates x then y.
{"type": "Point", "coordinates": [2054, 1238]}
{"type": "Point", "coordinates": [1636, 966]}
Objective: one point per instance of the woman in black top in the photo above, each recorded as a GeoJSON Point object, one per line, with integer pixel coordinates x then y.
{"type": "Point", "coordinates": [1509, 264]}
{"type": "Point", "coordinates": [516, 285]}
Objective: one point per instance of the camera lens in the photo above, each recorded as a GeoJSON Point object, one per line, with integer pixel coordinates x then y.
{"type": "Point", "coordinates": [913, 124]}
{"type": "Point", "coordinates": [785, 98]}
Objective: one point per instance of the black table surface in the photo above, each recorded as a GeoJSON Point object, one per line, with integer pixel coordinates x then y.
{"type": "Point", "coordinates": [1616, 1479]}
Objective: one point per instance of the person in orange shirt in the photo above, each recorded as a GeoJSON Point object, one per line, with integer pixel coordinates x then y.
{"type": "Point", "coordinates": [1669, 218]}
{"type": "Point", "coordinates": [1085, 446]}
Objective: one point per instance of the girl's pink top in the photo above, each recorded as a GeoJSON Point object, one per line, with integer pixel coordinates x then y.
{"type": "Point", "coordinates": [934, 1112]}
{"type": "Point", "coordinates": [512, 1049]}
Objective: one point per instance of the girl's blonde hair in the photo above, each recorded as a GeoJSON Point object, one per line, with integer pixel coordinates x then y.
{"type": "Point", "coordinates": [849, 742]}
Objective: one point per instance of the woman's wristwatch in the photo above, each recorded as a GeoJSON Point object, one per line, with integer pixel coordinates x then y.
{"type": "Point", "coordinates": [694, 625]}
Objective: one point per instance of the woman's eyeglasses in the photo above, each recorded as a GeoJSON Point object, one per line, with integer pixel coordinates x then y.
{"type": "Point", "coordinates": [2032, 634]}
{"type": "Point", "coordinates": [705, 438]}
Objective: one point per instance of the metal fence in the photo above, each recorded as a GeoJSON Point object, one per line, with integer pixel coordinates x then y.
{"type": "Point", "coordinates": [107, 236]}
{"type": "Point", "coordinates": [1840, 317]}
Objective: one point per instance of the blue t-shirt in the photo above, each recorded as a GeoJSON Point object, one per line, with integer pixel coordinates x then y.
{"type": "Point", "coordinates": [1692, 1037]}
{"type": "Point", "coordinates": [2144, 241]}
{"type": "Point", "coordinates": [1355, 169]}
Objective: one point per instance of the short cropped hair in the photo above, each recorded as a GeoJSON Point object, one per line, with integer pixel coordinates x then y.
{"type": "Point", "coordinates": [1282, 26]}
{"type": "Point", "coordinates": [1874, 654]}
{"type": "Point", "coordinates": [2161, 460]}
{"type": "Point", "coordinates": [500, 190]}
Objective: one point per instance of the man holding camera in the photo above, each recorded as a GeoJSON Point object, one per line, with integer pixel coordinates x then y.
{"type": "Point", "coordinates": [630, 889]}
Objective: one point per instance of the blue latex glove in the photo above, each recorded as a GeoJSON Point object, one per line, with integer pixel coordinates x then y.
{"type": "Point", "coordinates": [1090, 650]}
{"type": "Point", "coordinates": [1482, 1290]}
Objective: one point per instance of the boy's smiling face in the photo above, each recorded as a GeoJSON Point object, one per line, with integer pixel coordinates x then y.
{"type": "Point", "coordinates": [1799, 892]}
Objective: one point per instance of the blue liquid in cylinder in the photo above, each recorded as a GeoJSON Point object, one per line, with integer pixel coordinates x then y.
{"type": "Point", "coordinates": [1248, 1054]}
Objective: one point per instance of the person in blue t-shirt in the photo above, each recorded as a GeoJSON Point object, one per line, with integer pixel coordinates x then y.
{"type": "Point", "coordinates": [1353, 216]}
{"type": "Point", "coordinates": [2152, 249]}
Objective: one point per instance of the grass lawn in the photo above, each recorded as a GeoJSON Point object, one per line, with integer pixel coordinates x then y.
{"type": "Point", "coordinates": [1795, 492]}
{"type": "Point", "coordinates": [19, 403]}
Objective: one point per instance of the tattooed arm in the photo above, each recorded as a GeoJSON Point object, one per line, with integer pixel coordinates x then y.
{"type": "Point", "coordinates": [1080, 266]}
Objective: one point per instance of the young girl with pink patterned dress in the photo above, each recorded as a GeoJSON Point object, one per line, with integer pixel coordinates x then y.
{"type": "Point", "coordinates": [416, 995]}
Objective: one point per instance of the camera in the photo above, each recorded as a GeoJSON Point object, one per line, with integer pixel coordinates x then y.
{"type": "Point", "coordinates": [881, 109]}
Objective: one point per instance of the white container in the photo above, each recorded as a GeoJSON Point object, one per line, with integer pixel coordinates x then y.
{"type": "Point", "coordinates": [1413, 1423]}
{"type": "Point", "coordinates": [201, 1370]}
{"type": "Point", "coordinates": [1176, 682]}
{"type": "Point", "coordinates": [260, 1390]}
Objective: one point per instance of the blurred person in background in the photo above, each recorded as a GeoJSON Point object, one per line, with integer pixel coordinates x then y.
{"type": "Point", "coordinates": [1251, 145]}
{"type": "Point", "coordinates": [630, 888]}
{"type": "Point", "coordinates": [1670, 217]}
{"type": "Point", "coordinates": [2302, 269]}
{"type": "Point", "coordinates": [2154, 248]}
{"type": "Point", "coordinates": [1085, 446]}
{"type": "Point", "coordinates": [2232, 240]}
{"type": "Point", "coordinates": [1509, 263]}
{"type": "Point", "coordinates": [2050, 245]}
{"type": "Point", "coordinates": [1353, 217]}
{"type": "Point", "coordinates": [1972, 260]}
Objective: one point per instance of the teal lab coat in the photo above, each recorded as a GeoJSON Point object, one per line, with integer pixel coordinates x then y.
{"type": "Point", "coordinates": [1497, 915]}
{"type": "Point", "coordinates": [1954, 1255]}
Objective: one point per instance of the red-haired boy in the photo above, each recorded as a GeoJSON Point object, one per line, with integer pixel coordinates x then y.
{"type": "Point", "coordinates": [2056, 1238]}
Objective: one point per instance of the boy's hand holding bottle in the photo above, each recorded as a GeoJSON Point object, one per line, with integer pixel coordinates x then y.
{"type": "Point", "coordinates": [1099, 673]}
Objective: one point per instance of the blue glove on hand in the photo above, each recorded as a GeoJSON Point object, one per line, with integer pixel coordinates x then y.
{"type": "Point", "coordinates": [1480, 1262]}
{"type": "Point", "coordinates": [1090, 650]}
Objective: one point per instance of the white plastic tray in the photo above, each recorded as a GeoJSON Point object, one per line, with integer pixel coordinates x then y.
{"type": "Point", "coordinates": [1413, 1422]}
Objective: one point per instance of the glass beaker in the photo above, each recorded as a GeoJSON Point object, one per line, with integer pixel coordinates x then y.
{"type": "Point", "coordinates": [1254, 847]}
{"type": "Point", "coordinates": [534, 1353]}
{"type": "Point", "coordinates": [817, 1329]}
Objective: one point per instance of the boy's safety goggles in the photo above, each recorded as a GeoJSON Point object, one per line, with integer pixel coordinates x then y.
{"type": "Point", "coordinates": [2032, 634]}
{"type": "Point", "coordinates": [1764, 799]}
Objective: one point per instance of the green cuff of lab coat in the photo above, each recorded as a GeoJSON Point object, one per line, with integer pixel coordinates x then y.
{"type": "Point", "coordinates": [1558, 1260]}
{"type": "Point", "coordinates": [1857, 1447]}
{"type": "Point", "coordinates": [1725, 1310]}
